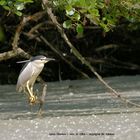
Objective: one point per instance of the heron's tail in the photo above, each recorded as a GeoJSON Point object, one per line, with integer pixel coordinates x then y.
{"type": "Point", "coordinates": [18, 88]}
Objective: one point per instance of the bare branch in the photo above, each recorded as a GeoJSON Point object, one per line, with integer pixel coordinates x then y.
{"type": "Point", "coordinates": [105, 47]}
{"type": "Point", "coordinates": [13, 53]}
{"type": "Point", "coordinates": [68, 62]}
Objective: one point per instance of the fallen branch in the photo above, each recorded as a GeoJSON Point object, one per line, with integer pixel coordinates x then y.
{"type": "Point", "coordinates": [79, 56]}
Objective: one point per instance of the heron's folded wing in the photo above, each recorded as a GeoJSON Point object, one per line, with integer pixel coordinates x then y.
{"type": "Point", "coordinates": [25, 74]}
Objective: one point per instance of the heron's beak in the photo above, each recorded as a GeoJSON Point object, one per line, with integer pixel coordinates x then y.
{"type": "Point", "coordinates": [49, 59]}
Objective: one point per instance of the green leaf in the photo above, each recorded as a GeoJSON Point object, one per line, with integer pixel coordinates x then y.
{"type": "Point", "coordinates": [3, 2]}
{"type": "Point", "coordinates": [25, 1]}
{"type": "Point", "coordinates": [19, 6]}
{"type": "Point", "coordinates": [80, 30]}
{"type": "Point", "coordinates": [101, 5]}
{"type": "Point", "coordinates": [77, 16]}
{"type": "Point", "coordinates": [56, 3]}
{"type": "Point", "coordinates": [67, 24]}
{"type": "Point", "coordinates": [18, 13]}
{"type": "Point", "coordinates": [105, 27]}
{"type": "Point", "coordinates": [10, 3]}
{"type": "Point", "coordinates": [6, 8]}
{"type": "Point", "coordinates": [69, 10]}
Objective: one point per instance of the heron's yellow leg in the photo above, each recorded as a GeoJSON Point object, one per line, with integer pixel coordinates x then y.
{"type": "Point", "coordinates": [32, 98]}
{"type": "Point", "coordinates": [31, 89]}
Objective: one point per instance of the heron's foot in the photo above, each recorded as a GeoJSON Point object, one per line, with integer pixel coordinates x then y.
{"type": "Point", "coordinates": [32, 99]}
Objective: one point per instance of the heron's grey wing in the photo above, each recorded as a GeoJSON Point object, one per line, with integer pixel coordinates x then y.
{"type": "Point", "coordinates": [24, 61]}
{"type": "Point", "coordinates": [25, 74]}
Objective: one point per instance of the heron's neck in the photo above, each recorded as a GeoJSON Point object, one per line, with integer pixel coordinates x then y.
{"type": "Point", "coordinates": [38, 65]}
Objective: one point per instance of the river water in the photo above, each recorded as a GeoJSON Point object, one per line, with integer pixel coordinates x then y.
{"type": "Point", "coordinates": [81, 109]}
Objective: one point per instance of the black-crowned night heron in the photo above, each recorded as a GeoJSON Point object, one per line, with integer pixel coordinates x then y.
{"type": "Point", "coordinates": [29, 74]}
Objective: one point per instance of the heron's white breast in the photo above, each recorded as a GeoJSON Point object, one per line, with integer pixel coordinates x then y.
{"type": "Point", "coordinates": [37, 68]}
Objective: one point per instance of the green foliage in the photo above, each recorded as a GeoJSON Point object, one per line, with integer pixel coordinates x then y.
{"type": "Point", "coordinates": [67, 24]}
{"type": "Point", "coordinates": [15, 6]}
{"type": "Point", "coordinates": [104, 13]}
{"type": "Point", "coordinates": [80, 30]}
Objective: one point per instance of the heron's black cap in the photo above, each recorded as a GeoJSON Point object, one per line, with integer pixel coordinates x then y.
{"type": "Point", "coordinates": [39, 57]}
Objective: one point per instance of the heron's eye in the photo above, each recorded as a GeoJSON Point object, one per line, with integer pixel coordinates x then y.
{"type": "Point", "coordinates": [42, 59]}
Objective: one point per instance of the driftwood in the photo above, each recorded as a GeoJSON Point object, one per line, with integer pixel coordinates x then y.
{"type": "Point", "coordinates": [41, 100]}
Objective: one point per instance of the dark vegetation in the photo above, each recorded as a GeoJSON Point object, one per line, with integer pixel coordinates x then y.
{"type": "Point", "coordinates": [105, 32]}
